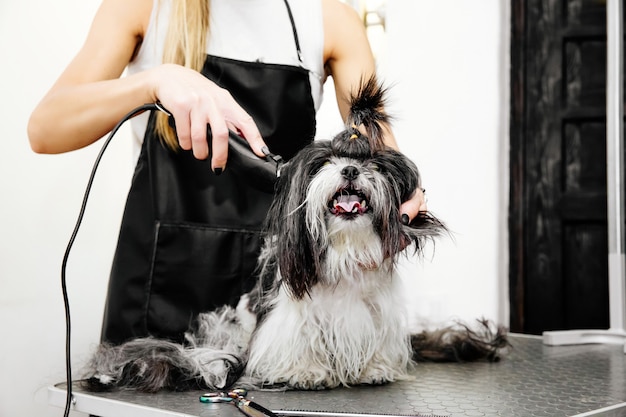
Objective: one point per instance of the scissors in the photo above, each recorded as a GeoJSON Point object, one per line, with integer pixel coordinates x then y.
{"type": "Point", "coordinates": [252, 409]}
{"type": "Point", "coordinates": [237, 397]}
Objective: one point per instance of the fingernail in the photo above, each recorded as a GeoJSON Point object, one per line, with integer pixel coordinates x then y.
{"type": "Point", "coordinates": [265, 150]}
{"type": "Point", "coordinates": [405, 219]}
{"type": "Point", "coordinates": [218, 171]}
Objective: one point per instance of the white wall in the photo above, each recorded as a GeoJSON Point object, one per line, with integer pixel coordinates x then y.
{"type": "Point", "coordinates": [41, 196]}
{"type": "Point", "coordinates": [447, 62]}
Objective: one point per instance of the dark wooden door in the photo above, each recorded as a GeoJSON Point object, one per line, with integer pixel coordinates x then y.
{"type": "Point", "coordinates": [558, 225]}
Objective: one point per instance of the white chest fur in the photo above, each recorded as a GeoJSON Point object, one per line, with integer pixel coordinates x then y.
{"type": "Point", "coordinates": [345, 334]}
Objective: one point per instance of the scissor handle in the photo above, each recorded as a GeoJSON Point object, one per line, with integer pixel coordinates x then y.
{"type": "Point", "coordinates": [238, 399]}
{"type": "Point", "coordinates": [223, 397]}
{"type": "Point", "coordinates": [237, 393]}
{"type": "Point", "coordinates": [216, 397]}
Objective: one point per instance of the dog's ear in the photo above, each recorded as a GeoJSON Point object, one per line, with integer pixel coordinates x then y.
{"type": "Point", "coordinates": [403, 178]}
{"type": "Point", "coordinates": [297, 252]}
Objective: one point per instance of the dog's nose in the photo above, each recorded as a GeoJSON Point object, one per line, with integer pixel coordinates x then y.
{"type": "Point", "coordinates": [350, 172]}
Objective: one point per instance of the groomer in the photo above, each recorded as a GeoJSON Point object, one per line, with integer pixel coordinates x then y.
{"type": "Point", "coordinates": [190, 233]}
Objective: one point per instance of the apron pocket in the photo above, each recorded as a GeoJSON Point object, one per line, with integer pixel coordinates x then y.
{"type": "Point", "coordinates": [196, 268]}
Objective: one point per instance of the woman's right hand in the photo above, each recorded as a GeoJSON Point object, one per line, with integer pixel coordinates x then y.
{"type": "Point", "coordinates": [89, 97]}
{"type": "Point", "coordinates": [195, 102]}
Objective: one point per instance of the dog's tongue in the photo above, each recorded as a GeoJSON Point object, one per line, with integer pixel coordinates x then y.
{"type": "Point", "coordinates": [348, 203]}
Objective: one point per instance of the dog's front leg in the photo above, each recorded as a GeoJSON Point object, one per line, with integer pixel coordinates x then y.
{"type": "Point", "coordinates": [286, 349]}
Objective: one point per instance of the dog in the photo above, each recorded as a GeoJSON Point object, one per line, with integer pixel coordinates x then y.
{"type": "Point", "coordinates": [327, 307]}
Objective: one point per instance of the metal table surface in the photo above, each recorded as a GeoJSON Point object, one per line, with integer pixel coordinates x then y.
{"type": "Point", "coordinates": [532, 380]}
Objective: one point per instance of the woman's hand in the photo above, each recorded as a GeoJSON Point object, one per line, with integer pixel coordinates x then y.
{"type": "Point", "coordinates": [195, 102]}
{"type": "Point", "coordinates": [410, 208]}
{"type": "Point", "coordinates": [89, 97]}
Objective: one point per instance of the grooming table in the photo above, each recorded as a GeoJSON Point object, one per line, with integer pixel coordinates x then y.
{"type": "Point", "coordinates": [533, 380]}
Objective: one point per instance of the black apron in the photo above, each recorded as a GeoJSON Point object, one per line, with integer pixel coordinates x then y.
{"type": "Point", "coordinates": [189, 239]}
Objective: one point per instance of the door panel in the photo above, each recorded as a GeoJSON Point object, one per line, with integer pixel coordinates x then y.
{"type": "Point", "coordinates": [558, 227]}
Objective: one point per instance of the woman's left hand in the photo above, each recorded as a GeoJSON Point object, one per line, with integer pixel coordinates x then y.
{"type": "Point", "coordinates": [416, 204]}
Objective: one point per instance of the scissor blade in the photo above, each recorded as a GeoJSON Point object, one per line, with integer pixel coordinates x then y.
{"type": "Point", "coordinates": [303, 413]}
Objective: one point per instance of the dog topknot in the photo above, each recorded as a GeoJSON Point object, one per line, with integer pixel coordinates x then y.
{"type": "Point", "coordinates": [364, 135]}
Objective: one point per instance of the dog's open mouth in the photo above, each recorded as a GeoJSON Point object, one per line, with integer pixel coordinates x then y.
{"type": "Point", "coordinates": [348, 201]}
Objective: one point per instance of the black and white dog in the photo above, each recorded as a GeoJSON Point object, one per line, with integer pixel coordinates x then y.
{"type": "Point", "coordinates": [328, 307]}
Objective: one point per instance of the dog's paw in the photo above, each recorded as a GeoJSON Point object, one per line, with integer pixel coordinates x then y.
{"type": "Point", "coordinates": [219, 373]}
{"type": "Point", "coordinates": [374, 380]}
{"type": "Point", "coordinates": [304, 379]}
{"type": "Point", "coordinates": [310, 385]}
{"type": "Point", "coordinates": [99, 383]}
{"type": "Point", "coordinates": [380, 375]}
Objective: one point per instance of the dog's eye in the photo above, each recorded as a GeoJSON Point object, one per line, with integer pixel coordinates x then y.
{"type": "Point", "coordinates": [374, 167]}
{"type": "Point", "coordinates": [318, 166]}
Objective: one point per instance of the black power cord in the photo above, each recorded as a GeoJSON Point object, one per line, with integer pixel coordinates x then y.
{"type": "Point", "coordinates": [68, 328]}
{"type": "Point", "coordinates": [260, 172]}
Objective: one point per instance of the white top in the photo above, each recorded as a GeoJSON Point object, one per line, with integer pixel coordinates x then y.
{"type": "Point", "coordinates": [246, 30]}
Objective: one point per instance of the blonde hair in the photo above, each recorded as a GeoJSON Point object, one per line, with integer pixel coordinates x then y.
{"type": "Point", "coordinates": [185, 44]}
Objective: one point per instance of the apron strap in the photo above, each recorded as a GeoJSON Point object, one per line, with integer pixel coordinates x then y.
{"type": "Point", "coordinates": [295, 32]}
